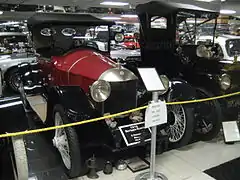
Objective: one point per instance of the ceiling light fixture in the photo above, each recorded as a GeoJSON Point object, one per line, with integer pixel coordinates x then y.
{"type": "Point", "coordinates": [111, 3]}
{"type": "Point", "coordinates": [205, 0]}
{"type": "Point", "coordinates": [111, 18]}
{"type": "Point", "coordinates": [121, 22]}
{"type": "Point", "coordinates": [227, 11]}
{"type": "Point", "coordinates": [129, 16]}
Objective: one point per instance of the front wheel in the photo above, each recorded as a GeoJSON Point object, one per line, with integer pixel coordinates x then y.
{"type": "Point", "coordinates": [19, 158]}
{"type": "Point", "coordinates": [180, 125]}
{"type": "Point", "coordinates": [208, 115]}
{"type": "Point", "coordinates": [67, 143]}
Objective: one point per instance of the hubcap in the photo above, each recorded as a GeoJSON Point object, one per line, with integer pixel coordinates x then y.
{"type": "Point", "coordinates": [60, 141]}
{"type": "Point", "coordinates": [177, 123]}
{"type": "Point", "coordinates": [15, 81]}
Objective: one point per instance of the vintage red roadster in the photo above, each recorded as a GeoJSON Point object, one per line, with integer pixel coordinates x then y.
{"type": "Point", "coordinates": [74, 80]}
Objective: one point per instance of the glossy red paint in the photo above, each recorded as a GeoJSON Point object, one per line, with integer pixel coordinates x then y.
{"type": "Point", "coordinates": [78, 68]}
{"type": "Point", "coordinates": [131, 42]}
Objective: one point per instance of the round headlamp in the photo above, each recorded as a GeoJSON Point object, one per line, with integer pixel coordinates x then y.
{"type": "Point", "coordinates": [100, 90]}
{"type": "Point", "coordinates": [225, 81]}
{"type": "Point", "coordinates": [165, 82]}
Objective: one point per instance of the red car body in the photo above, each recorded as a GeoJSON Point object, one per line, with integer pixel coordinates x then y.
{"type": "Point", "coordinates": [131, 42]}
{"type": "Point", "coordinates": [72, 69]}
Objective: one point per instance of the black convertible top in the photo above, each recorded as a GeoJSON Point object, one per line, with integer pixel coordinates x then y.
{"type": "Point", "coordinates": [65, 19]}
{"type": "Point", "coordinates": [157, 8]}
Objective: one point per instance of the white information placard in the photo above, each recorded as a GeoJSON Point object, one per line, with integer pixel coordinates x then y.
{"type": "Point", "coordinates": [231, 131]}
{"type": "Point", "coordinates": [151, 79]}
{"type": "Point", "coordinates": [156, 114]}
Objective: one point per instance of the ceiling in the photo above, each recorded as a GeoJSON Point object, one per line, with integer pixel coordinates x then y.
{"type": "Point", "coordinates": [84, 4]}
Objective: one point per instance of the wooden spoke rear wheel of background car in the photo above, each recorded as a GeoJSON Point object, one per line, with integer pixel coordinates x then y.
{"type": "Point", "coordinates": [208, 115]}
{"type": "Point", "coordinates": [67, 143]}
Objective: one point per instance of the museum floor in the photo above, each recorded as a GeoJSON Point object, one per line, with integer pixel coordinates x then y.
{"type": "Point", "coordinates": [188, 163]}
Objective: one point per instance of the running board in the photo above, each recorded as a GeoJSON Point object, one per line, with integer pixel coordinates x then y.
{"type": "Point", "coordinates": [39, 104]}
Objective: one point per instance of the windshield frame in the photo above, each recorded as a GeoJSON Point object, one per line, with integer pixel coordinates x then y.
{"type": "Point", "coordinates": [42, 42]}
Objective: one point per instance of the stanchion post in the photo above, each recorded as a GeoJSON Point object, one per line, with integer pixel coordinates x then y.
{"type": "Point", "coordinates": [153, 143]}
{"type": "Point", "coordinates": [152, 174]}
{"type": "Point", "coordinates": [1, 86]}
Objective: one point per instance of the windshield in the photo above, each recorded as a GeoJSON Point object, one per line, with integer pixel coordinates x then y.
{"type": "Point", "coordinates": [64, 38]}
{"type": "Point", "coordinates": [233, 47]}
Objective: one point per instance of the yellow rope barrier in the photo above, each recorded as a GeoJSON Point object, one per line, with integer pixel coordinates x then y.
{"type": "Point", "coordinates": [110, 116]}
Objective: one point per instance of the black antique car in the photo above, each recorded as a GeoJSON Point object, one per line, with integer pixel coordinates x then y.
{"type": "Point", "coordinates": [161, 44]}
{"type": "Point", "coordinates": [13, 119]}
{"type": "Point", "coordinates": [74, 80]}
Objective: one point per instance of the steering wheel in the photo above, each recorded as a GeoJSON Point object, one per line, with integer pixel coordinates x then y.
{"type": "Point", "coordinates": [189, 35]}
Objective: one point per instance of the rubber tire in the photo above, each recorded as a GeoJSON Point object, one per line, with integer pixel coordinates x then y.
{"type": "Point", "coordinates": [8, 76]}
{"type": "Point", "coordinates": [190, 124]}
{"type": "Point", "coordinates": [218, 123]}
{"type": "Point", "coordinates": [20, 157]}
{"type": "Point", "coordinates": [74, 145]}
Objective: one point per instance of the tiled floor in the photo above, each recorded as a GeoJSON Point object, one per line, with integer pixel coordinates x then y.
{"type": "Point", "coordinates": [187, 163]}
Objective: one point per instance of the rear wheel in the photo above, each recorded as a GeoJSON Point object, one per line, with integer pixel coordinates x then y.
{"type": "Point", "coordinates": [67, 143]}
{"type": "Point", "coordinates": [180, 125]}
{"type": "Point", "coordinates": [208, 115]}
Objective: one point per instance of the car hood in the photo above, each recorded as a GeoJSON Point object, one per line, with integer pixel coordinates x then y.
{"type": "Point", "coordinates": [86, 63]}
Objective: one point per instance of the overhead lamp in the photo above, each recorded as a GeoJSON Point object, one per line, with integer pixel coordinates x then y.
{"type": "Point", "coordinates": [1, 12]}
{"type": "Point", "coordinates": [120, 22]}
{"type": "Point", "coordinates": [205, 0]}
{"type": "Point", "coordinates": [227, 11]}
{"type": "Point", "coordinates": [111, 3]}
{"type": "Point", "coordinates": [129, 16]}
{"type": "Point", "coordinates": [111, 18]}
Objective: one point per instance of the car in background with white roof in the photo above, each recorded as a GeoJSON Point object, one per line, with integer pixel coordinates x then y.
{"type": "Point", "coordinates": [228, 45]}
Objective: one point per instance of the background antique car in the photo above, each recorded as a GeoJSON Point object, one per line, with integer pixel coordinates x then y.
{"type": "Point", "coordinates": [158, 49]}
{"type": "Point", "coordinates": [131, 42]}
{"type": "Point", "coordinates": [203, 67]}
{"type": "Point", "coordinates": [122, 52]}
{"type": "Point", "coordinates": [14, 49]}
{"type": "Point", "coordinates": [74, 81]}
{"type": "Point", "coordinates": [228, 45]}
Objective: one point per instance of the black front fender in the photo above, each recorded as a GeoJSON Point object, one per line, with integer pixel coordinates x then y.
{"type": "Point", "coordinates": [73, 99]}
{"type": "Point", "coordinates": [180, 90]}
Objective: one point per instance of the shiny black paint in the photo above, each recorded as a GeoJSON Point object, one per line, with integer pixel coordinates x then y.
{"type": "Point", "coordinates": [181, 91]}
{"type": "Point", "coordinates": [13, 118]}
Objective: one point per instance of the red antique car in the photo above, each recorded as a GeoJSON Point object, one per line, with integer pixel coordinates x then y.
{"type": "Point", "coordinates": [131, 42]}
{"type": "Point", "coordinates": [75, 80]}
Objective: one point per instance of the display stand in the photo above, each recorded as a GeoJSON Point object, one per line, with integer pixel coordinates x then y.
{"type": "Point", "coordinates": [231, 132]}
{"type": "Point", "coordinates": [153, 84]}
